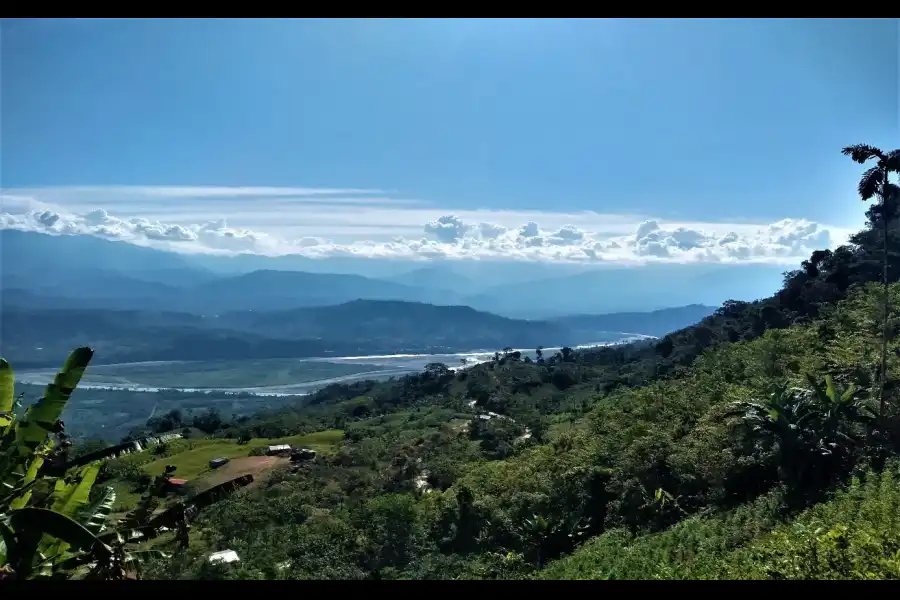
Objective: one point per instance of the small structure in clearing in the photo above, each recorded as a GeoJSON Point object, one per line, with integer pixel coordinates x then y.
{"type": "Point", "coordinates": [218, 462]}
{"type": "Point", "coordinates": [279, 449]}
{"type": "Point", "coordinates": [176, 486]}
{"type": "Point", "coordinates": [224, 556]}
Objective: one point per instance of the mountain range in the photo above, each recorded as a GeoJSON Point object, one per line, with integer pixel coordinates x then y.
{"type": "Point", "coordinates": [64, 271]}
{"type": "Point", "coordinates": [138, 304]}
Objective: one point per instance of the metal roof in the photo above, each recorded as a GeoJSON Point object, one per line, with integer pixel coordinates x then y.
{"type": "Point", "coordinates": [225, 556]}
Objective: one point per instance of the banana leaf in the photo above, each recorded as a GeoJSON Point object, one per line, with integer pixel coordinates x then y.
{"type": "Point", "coordinates": [34, 467]}
{"type": "Point", "coordinates": [8, 545]}
{"type": "Point", "coordinates": [7, 394]}
{"type": "Point", "coordinates": [96, 516]}
{"type": "Point", "coordinates": [41, 521]}
{"type": "Point", "coordinates": [72, 494]}
{"type": "Point", "coordinates": [41, 418]}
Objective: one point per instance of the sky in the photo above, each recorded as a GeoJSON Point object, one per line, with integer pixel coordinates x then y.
{"type": "Point", "coordinates": [599, 141]}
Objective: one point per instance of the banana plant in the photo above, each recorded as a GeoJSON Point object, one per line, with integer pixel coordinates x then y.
{"type": "Point", "coordinates": [812, 429]}
{"type": "Point", "coordinates": [49, 544]}
{"type": "Point", "coordinates": [27, 442]}
{"type": "Point", "coordinates": [60, 533]}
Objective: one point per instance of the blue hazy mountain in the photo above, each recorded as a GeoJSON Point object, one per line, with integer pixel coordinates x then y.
{"type": "Point", "coordinates": [90, 272]}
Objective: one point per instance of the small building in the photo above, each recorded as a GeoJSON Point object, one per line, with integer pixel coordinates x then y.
{"type": "Point", "coordinates": [177, 486]}
{"type": "Point", "coordinates": [218, 462]}
{"type": "Point", "coordinates": [224, 556]}
{"type": "Point", "coordinates": [278, 449]}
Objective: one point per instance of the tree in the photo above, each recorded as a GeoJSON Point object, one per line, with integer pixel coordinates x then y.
{"type": "Point", "coordinates": [436, 370]}
{"type": "Point", "coordinates": [208, 421]}
{"type": "Point", "coordinates": [875, 182]}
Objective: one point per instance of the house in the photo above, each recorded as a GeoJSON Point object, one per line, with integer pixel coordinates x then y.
{"type": "Point", "coordinates": [218, 462]}
{"type": "Point", "coordinates": [176, 486]}
{"type": "Point", "coordinates": [278, 449]}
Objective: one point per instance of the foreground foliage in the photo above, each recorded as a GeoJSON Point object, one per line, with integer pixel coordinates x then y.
{"type": "Point", "coordinates": [51, 525]}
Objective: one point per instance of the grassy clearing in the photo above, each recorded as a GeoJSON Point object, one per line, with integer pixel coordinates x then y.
{"type": "Point", "coordinates": [192, 463]}
{"type": "Point", "coordinates": [195, 462]}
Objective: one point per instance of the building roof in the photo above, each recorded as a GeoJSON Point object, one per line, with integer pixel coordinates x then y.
{"type": "Point", "coordinates": [226, 556]}
{"type": "Point", "coordinates": [280, 447]}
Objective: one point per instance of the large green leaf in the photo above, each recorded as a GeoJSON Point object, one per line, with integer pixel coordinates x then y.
{"type": "Point", "coordinates": [8, 546]}
{"type": "Point", "coordinates": [7, 393]}
{"type": "Point", "coordinates": [71, 494]}
{"type": "Point", "coordinates": [96, 516]}
{"type": "Point", "coordinates": [31, 474]}
{"type": "Point", "coordinates": [70, 497]}
{"type": "Point", "coordinates": [47, 522]}
{"type": "Point", "coordinates": [40, 418]}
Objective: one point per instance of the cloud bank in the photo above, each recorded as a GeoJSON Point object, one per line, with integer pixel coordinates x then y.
{"type": "Point", "coordinates": [322, 223]}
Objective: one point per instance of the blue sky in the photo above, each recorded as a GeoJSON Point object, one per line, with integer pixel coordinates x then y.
{"type": "Point", "coordinates": [428, 133]}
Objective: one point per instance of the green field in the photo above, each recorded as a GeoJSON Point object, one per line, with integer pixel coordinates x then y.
{"type": "Point", "coordinates": [192, 463]}
{"type": "Point", "coordinates": [222, 374]}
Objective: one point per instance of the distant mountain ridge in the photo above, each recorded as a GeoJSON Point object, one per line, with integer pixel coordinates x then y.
{"type": "Point", "coordinates": [94, 273]}
{"type": "Point", "coordinates": [38, 337]}
{"type": "Point", "coordinates": [656, 323]}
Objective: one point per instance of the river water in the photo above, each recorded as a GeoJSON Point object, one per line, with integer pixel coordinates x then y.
{"type": "Point", "coordinates": [390, 365]}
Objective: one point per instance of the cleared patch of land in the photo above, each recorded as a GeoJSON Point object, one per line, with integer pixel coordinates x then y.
{"type": "Point", "coordinates": [191, 460]}
{"type": "Point", "coordinates": [195, 462]}
{"type": "Point", "coordinates": [248, 465]}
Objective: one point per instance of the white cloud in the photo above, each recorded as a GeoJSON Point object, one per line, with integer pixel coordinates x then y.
{"type": "Point", "coordinates": [368, 223]}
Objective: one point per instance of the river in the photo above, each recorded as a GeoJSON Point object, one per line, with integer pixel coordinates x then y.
{"type": "Point", "coordinates": [390, 365]}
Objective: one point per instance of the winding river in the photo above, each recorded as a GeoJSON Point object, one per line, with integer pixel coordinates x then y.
{"type": "Point", "coordinates": [388, 365]}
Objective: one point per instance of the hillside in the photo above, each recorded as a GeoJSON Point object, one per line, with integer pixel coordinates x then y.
{"type": "Point", "coordinates": [739, 447]}
{"type": "Point", "coordinates": [591, 467]}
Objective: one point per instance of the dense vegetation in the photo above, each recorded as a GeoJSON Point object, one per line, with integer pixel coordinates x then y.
{"type": "Point", "coordinates": [760, 443]}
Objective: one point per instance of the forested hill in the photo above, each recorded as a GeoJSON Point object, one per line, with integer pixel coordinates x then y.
{"type": "Point", "coordinates": [750, 445]}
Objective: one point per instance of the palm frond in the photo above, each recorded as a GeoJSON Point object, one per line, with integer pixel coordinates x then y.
{"type": "Point", "coordinates": [892, 161]}
{"type": "Point", "coordinates": [869, 182]}
{"type": "Point", "coordinates": [862, 152]}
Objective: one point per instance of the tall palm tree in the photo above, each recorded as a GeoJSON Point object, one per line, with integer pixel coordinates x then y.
{"type": "Point", "coordinates": [875, 183]}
